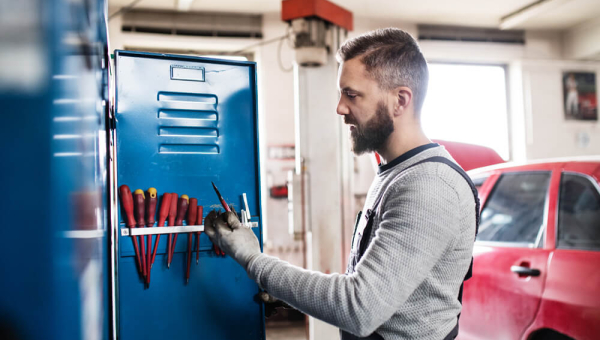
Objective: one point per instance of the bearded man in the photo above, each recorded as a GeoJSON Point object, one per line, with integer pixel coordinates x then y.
{"type": "Point", "coordinates": [412, 246]}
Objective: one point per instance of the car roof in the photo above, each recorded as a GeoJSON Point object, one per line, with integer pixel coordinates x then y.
{"type": "Point", "coordinates": [582, 159]}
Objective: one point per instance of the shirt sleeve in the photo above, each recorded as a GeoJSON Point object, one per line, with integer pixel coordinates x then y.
{"type": "Point", "coordinates": [419, 220]}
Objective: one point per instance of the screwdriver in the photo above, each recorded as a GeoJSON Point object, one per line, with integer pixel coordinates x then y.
{"type": "Point", "coordinates": [163, 213]}
{"type": "Point", "coordinates": [172, 216]}
{"type": "Point", "coordinates": [182, 207]}
{"type": "Point", "coordinates": [127, 202]}
{"type": "Point", "coordinates": [140, 211]}
{"type": "Point", "coordinates": [150, 212]}
{"type": "Point", "coordinates": [199, 222]}
{"type": "Point", "coordinates": [191, 220]}
{"type": "Point", "coordinates": [224, 204]}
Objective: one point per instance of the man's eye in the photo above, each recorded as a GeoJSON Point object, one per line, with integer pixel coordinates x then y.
{"type": "Point", "coordinates": [351, 96]}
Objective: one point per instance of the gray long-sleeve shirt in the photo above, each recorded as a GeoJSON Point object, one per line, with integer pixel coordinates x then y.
{"type": "Point", "coordinates": [406, 284]}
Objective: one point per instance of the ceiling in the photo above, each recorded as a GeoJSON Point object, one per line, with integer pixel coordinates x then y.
{"type": "Point", "coordinates": [483, 13]}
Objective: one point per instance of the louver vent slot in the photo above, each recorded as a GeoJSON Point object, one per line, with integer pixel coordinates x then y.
{"type": "Point", "coordinates": [188, 123]}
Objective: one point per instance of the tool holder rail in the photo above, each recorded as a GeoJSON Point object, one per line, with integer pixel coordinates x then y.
{"type": "Point", "coordinates": [136, 231]}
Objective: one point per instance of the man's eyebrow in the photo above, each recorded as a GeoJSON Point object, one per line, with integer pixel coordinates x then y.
{"type": "Point", "coordinates": [349, 89]}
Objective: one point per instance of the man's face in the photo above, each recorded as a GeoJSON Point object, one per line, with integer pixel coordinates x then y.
{"type": "Point", "coordinates": [362, 103]}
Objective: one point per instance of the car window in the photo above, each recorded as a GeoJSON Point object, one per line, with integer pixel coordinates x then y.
{"type": "Point", "coordinates": [578, 213]}
{"type": "Point", "coordinates": [514, 211]}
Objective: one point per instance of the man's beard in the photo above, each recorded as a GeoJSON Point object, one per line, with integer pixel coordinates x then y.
{"type": "Point", "coordinates": [371, 135]}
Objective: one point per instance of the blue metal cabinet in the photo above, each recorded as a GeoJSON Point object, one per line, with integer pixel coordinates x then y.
{"type": "Point", "coordinates": [182, 122]}
{"type": "Point", "coordinates": [52, 137]}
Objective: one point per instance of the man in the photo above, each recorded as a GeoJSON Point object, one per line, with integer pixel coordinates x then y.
{"type": "Point", "coordinates": [413, 246]}
{"type": "Point", "coordinates": [572, 102]}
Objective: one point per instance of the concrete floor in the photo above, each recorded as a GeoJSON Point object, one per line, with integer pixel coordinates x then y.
{"type": "Point", "coordinates": [286, 331]}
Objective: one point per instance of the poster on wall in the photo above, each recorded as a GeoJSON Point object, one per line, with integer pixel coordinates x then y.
{"type": "Point", "coordinates": [580, 100]}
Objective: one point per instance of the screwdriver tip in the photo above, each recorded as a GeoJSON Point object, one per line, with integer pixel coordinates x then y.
{"type": "Point", "coordinates": [187, 281]}
{"type": "Point", "coordinates": [216, 190]}
{"type": "Point", "coordinates": [196, 262]}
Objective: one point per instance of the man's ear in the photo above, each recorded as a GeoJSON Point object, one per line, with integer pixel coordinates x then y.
{"type": "Point", "coordinates": [403, 99]}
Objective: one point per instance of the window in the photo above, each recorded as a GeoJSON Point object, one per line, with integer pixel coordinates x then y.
{"type": "Point", "coordinates": [514, 212]}
{"type": "Point", "coordinates": [578, 213]}
{"type": "Point", "coordinates": [467, 103]}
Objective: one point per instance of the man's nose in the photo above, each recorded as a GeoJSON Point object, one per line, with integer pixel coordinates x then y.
{"type": "Point", "coordinates": [342, 109]}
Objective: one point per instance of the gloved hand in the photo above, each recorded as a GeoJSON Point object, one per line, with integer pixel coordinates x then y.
{"type": "Point", "coordinates": [271, 304]}
{"type": "Point", "coordinates": [227, 232]}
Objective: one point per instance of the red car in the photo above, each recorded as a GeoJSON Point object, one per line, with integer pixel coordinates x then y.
{"type": "Point", "coordinates": [536, 272]}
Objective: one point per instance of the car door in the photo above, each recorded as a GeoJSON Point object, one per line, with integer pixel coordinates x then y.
{"type": "Point", "coordinates": [571, 299]}
{"type": "Point", "coordinates": [510, 259]}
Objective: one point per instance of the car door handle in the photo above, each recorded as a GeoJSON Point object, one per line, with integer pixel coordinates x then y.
{"type": "Point", "coordinates": [525, 271]}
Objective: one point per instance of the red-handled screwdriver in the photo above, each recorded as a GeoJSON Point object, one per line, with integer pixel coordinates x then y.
{"type": "Point", "coordinates": [191, 220]}
{"type": "Point", "coordinates": [199, 222]}
{"type": "Point", "coordinates": [150, 212]}
{"type": "Point", "coordinates": [140, 211]}
{"type": "Point", "coordinates": [182, 208]}
{"type": "Point", "coordinates": [224, 204]}
{"type": "Point", "coordinates": [172, 216]}
{"type": "Point", "coordinates": [127, 202]}
{"type": "Point", "coordinates": [163, 213]}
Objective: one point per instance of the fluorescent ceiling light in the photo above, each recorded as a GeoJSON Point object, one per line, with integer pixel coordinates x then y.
{"type": "Point", "coordinates": [523, 14]}
{"type": "Point", "coordinates": [184, 5]}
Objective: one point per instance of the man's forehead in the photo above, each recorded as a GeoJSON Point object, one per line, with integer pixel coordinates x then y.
{"type": "Point", "coordinates": [353, 68]}
{"type": "Point", "coordinates": [352, 75]}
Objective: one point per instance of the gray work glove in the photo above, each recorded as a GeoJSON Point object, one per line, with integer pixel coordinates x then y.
{"type": "Point", "coordinates": [271, 304]}
{"type": "Point", "coordinates": [227, 232]}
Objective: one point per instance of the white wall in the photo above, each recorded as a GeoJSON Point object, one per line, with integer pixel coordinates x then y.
{"type": "Point", "coordinates": [276, 97]}
{"type": "Point", "coordinates": [582, 41]}
{"type": "Point", "coordinates": [534, 70]}
{"type": "Point", "coordinates": [548, 134]}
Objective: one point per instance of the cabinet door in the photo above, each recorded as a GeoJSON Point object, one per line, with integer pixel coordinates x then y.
{"type": "Point", "coordinates": [182, 122]}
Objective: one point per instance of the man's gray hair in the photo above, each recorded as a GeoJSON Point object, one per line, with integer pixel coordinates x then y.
{"type": "Point", "coordinates": [393, 58]}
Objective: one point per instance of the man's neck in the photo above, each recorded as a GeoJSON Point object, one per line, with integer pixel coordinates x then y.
{"type": "Point", "coordinates": [402, 141]}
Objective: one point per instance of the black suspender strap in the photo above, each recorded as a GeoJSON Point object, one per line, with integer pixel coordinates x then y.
{"type": "Point", "coordinates": [370, 214]}
{"type": "Point", "coordinates": [454, 332]}
{"type": "Point", "coordinates": [464, 175]}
